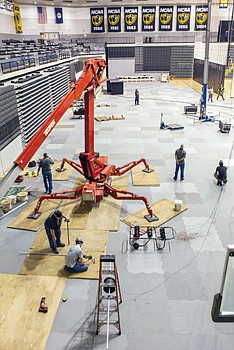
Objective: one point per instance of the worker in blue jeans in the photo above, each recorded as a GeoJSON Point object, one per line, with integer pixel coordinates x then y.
{"type": "Point", "coordinates": [74, 259]}
{"type": "Point", "coordinates": [45, 164]}
{"type": "Point", "coordinates": [53, 230]}
{"type": "Point", "coordinates": [180, 155]}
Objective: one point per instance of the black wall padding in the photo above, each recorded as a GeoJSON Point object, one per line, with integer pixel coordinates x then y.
{"type": "Point", "coordinates": [9, 119]}
{"type": "Point", "coordinates": [181, 64]}
{"type": "Point", "coordinates": [157, 58]}
{"type": "Point", "coordinates": [121, 51]}
{"type": "Point", "coordinates": [79, 65]}
{"type": "Point", "coordinates": [215, 74]}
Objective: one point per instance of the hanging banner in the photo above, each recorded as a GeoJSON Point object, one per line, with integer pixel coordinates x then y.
{"type": "Point", "coordinates": [183, 18]}
{"type": "Point", "coordinates": [17, 18]}
{"type": "Point", "coordinates": [58, 15]}
{"type": "Point", "coordinates": [201, 16]}
{"type": "Point", "coordinates": [2, 4]}
{"type": "Point", "coordinates": [97, 20]}
{"type": "Point", "coordinates": [131, 19]}
{"type": "Point", "coordinates": [223, 4]}
{"type": "Point", "coordinates": [165, 18]}
{"type": "Point", "coordinates": [114, 19]}
{"type": "Point", "coordinates": [9, 6]}
{"type": "Point", "coordinates": [148, 18]}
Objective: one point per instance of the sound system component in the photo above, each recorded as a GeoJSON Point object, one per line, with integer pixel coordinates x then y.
{"type": "Point", "coordinates": [190, 109]}
{"type": "Point", "coordinates": [115, 87]}
{"type": "Point", "coordinates": [224, 127]}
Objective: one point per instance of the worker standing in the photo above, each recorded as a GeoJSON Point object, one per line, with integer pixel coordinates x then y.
{"type": "Point", "coordinates": [45, 165]}
{"type": "Point", "coordinates": [74, 259]}
{"type": "Point", "coordinates": [220, 92]}
{"type": "Point", "coordinates": [180, 155]}
{"type": "Point", "coordinates": [137, 97]}
{"type": "Point", "coordinates": [210, 92]}
{"type": "Point", "coordinates": [53, 230]}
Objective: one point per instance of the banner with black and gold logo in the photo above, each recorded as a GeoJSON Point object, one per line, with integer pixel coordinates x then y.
{"type": "Point", "coordinates": [131, 19]}
{"type": "Point", "coordinates": [97, 20]}
{"type": "Point", "coordinates": [183, 18]}
{"type": "Point", "coordinates": [165, 18]}
{"type": "Point", "coordinates": [114, 19]}
{"type": "Point", "coordinates": [17, 18]}
{"type": "Point", "coordinates": [148, 18]}
{"type": "Point", "coordinates": [201, 17]}
{"type": "Point", "coordinates": [223, 4]}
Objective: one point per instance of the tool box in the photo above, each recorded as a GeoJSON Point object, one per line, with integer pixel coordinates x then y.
{"type": "Point", "coordinates": [224, 127]}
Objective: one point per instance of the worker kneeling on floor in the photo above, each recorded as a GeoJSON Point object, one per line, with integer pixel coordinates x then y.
{"type": "Point", "coordinates": [75, 259]}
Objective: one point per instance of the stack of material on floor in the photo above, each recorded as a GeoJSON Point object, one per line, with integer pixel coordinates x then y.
{"type": "Point", "coordinates": [103, 104]}
{"type": "Point", "coordinates": [111, 117]}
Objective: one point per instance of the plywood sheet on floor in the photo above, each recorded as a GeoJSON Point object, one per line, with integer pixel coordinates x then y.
{"type": "Point", "coordinates": [141, 178]}
{"type": "Point", "coordinates": [164, 209]}
{"type": "Point", "coordinates": [48, 264]}
{"type": "Point", "coordinates": [61, 176]}
{"type": "Point", "coordinates": [23, 223]}
{"type": "Point", "coordinates": [22, 326]}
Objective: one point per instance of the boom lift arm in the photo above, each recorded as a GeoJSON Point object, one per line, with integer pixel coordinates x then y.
{"type": "Point", "coordinates": [95, 168]}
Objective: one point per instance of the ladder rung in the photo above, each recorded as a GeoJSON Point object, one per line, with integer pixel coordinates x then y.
{"type": "Point", "coordinates": [108, 271]}
{"type": "Point", "coordinates": [101, 322]}
{"type": "Point", "coordinates": [102, 309]}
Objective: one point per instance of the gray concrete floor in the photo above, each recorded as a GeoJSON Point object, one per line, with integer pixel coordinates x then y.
{"type": "Point", "coordinates": [167, 295]}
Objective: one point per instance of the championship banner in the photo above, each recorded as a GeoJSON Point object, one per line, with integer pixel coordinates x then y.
{"type": "Point", "coordinates": [2, 4]}
{"type": "Point", "coordinates": [9, 5]}
{"type": "Point", "coordinates": [148, 18]}
{"type": "Point", "coordinates": [97, 20]}
{"type": "Point", "coordinates": [114, 19]}
{"type": "Point", "coordinates": [183, 18]}
{"type": "Point", "coordinates": [201, 17]}
{"type": "Point", "coordinates": [17, 18]}
{"type": "Point", "coordinates": [131, 19]}
{"type": "Point", "coordinates": [165, 18]}
{"type": "Point", "coordinates": [58, 15]}
{"type": "Point", "coordinates": [223, 4]}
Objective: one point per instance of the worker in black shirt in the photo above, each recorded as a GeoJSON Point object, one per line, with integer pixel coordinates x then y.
{"type": "Point", "coordinates": [45, 164]}
{"type": "Point", "coordinates": [53, 230]}
{"type": "Point", "coordinates": [221, 174]}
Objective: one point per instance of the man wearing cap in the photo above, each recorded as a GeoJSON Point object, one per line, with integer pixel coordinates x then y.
{"type": "Point", "coordinates": [45, 164]}
{"type": "Point", "coordinates": [180, 155]}
{"type": "Point", "coordinates": [53, 230]}
{"type": "Point", "coordinates": [74, 259]}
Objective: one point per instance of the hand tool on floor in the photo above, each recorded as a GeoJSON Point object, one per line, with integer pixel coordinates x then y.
{"type": "Point", "coordinates": [68, 231]}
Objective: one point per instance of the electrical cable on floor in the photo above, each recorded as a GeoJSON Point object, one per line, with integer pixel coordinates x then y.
{"type": "Point", "coordinates": [212, 217]}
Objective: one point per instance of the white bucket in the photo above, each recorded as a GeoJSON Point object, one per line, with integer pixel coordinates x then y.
{"type": "Point", "coordinates": [22, 196]}
{"type": "Point", "coordinates": [6, 205]}
{"type": "Point", "coordinates": [178, 205]}
{"type": "Point", "coordinates": [12, 199]}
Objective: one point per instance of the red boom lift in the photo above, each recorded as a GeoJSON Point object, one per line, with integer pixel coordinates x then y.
{"type": "Point", "coordinates": [93, 167]}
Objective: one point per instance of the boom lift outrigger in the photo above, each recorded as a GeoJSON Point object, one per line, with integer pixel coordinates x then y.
{"type": "Point", "coordinates": [93, 167]}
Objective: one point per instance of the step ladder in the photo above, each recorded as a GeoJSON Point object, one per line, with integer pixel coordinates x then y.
{"type": "Point", "coordinates": [109, 295]}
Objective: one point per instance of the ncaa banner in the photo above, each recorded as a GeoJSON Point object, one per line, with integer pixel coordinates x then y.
{"type": "Point", "coordinates": [148, 18]}
{"type": "Point", "coordinates": [165, 18]}
{"type": "Point", "coordinates": [183, 18]}
{"type": "Point", "coordinates": [58, 14]}
{"type": "Point", "coordinates": [17, 18]}
{"type": "Point", "coordinates": [97, 20]}
{"type": "Point", "coordinates": [131, 19]}
{"type": "Point", "coordinates": [114, 19]}
{"type": "Point", "coordinates": [223, 4]}
{"type": "Point", "coordinates": [201, 17]}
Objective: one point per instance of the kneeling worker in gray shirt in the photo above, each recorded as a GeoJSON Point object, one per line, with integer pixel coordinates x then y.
{"type": "Point", "coordinates": [74, 259]}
